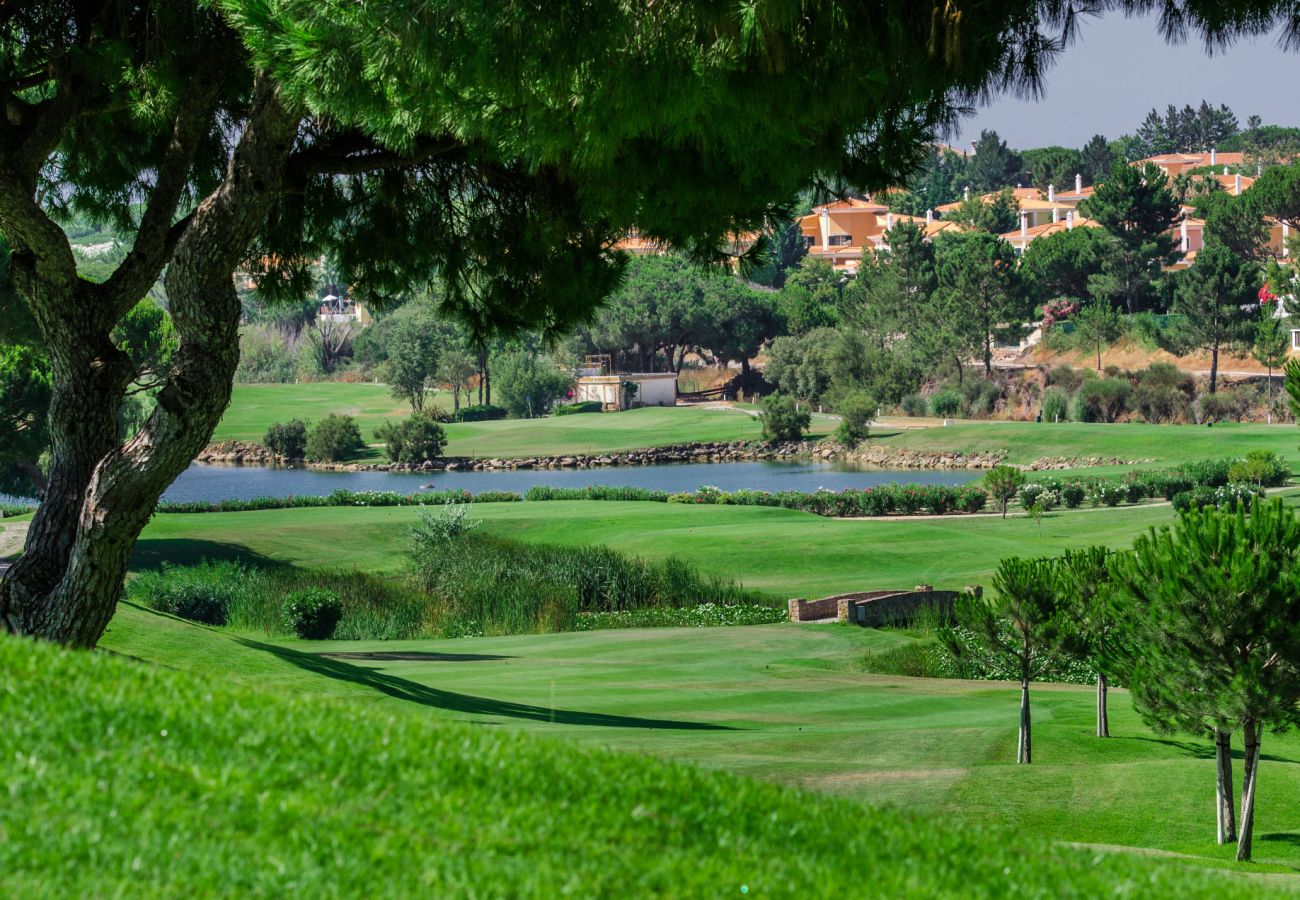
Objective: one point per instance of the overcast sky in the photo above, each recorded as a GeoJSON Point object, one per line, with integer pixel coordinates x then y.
{"type": "Point", "coordinates": [1120, 68]}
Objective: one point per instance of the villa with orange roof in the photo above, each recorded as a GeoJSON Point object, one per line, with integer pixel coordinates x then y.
{"type": "Point", "coordinates": [1177, 163]}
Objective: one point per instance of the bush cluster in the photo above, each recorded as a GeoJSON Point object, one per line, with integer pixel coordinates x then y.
{"type": "Point", "coordinates": [339, 498]}
{"type": "Point", "coordinates": [334, 438]}
{"type": "Point", "coordinates": [312, 613]}
{"type": "Point", "coordinates": [705, 615]}
{"type": "Point", "coordinates": [287, 439]}
{"type": "Point", "coordinates": [480, 413]}
{"type": "Point", "coordinates": [571, 409]}
{"type": "Point", "coordinates": [782, 419]}
{"type": "Point", "coordinates": [415, 440]}
{"type": "Point", "coordinates": [16, 509]}
{"type": "Point", "coordinates": [878, 501]}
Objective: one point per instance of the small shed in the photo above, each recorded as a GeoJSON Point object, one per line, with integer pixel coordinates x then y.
{"type": "Point", "coordinates": [617, 392]}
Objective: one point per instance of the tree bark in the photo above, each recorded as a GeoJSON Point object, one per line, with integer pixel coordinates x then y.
{"type": "Point", "coordinates": [1250, 774]}
{"type": "Point", "coordinates": [1103, 711]}
{"type": "Point", "coordinates": [100, 495]}
{"type": "Point", "coordinates": [1214, 368]}
{"type": "Point", "coordinates": [1225, 813]}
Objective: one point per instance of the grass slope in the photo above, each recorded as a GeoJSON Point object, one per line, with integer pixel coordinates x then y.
{"type": "Point", "coordinates": [255, 407]}
{"type": "Point", "coordinates": [1024, 442]}
{"type": "Point", "coordinates": [134, 779]}
{"type": "Point", "coordinates": [783, 704]}
{"type": "Point", "coordinates": [783, 552]}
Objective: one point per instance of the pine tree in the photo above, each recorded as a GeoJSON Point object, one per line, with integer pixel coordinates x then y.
{"type": "Point", "coordinates": [1213, 630]}
{"type": "Point", "coordinates": [980, 292]}
{"type": "Point", "coordinates": [1271, 347]}
{"type": "Point", "coordinates": [994, 165]}
{"type": "Point", "coordinates": [1137, 210]}
{"type": "Point", "coordinates": [1092, 622]}
{"type": "Point", "coordinates": [501, 154]}
{"type": "Point", "coordinates": [1096, 159]}
{"type": "Point", "coordinates": [1213, 296]}
{"type": "Point", "coordinates": [1020, 626]}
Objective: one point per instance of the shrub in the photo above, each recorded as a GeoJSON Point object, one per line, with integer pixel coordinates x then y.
{"type": "Point", "coordinates": [1209, 472]}
{"type": "Point", "coordinates": [206, 593]}
{"type": "Point", "coordinates": [1066, 378]}
{"type": "Point", "coordinates": [1056, 405]}
{"type": "Point", "coordinates": [1157, 403]}
{"type": "Point", "coordinates": [704, 615]}
{"type": "Point", "coordinates": [856, 412]}
{"type": "Point", "coordinates": [1110, 494]}
{"type": "Point", "coordinates": [312, 613]}
{"type": "Point", "coordinates": [945, 403]}
{"type": "Point", "coordinates": [1100, 400]}
{"type": "Point", "coordinates": [417, 439]}
{"type": "Point", "coordinates": [1262, 468]}
{"type": "Point", "coordinates": [287, 439]}
{"type": "Point", "coordinates": [1002, 483]}
{"type": "Point", "coordinates": [334, 438]}
{"type": "Point", "coordinates": [1135, 491]}
{"type": "Point", "coordinates": [1213, 408]}
{"type": "Point", "coordinates": [571, 409]}
{"type": "Point", "coordinates": [971, 499]}
{"type": "Point", "coordinates": [979, 397]}
{"type": "Point", "coordinates": [1040, 494]}
{"type": "Point", "coordinates": [1072, 494]}
{"type": "Point", "coordinates": [480, 413]}
{"type": "Point", "coordinates": [782, 420]}
{"type": "Point", "coordinates": [1197, 498]}
{"type": "Point", "coordinates": [265, 357]}
{"type": "Point", "coordinates": [527, 384]}
{"type": "Point", "coordinates": [913, 405]}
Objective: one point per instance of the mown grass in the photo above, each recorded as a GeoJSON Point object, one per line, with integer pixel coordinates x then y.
{"type": "Point", "coordinates": [1024, 442]}
{"type": "Point", "coordinates": [783, 553]}
{"type": "Point", "coordinates": [785, 704]}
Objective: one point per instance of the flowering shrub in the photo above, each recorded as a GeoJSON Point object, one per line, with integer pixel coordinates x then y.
{"type": "Point", "coordinates": [703, 615]}
{"type": "Point", "coordinates": [1110, 494]}
{"type": "Point", "coordinates": [312, 613]}
{"type": "Point", "coordinates": [1072, 494]}
{"type": "Point", "coordinates": [1058, 311]}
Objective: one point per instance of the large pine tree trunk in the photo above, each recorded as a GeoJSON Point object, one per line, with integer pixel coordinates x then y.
{"type": "Point", "coordinates": [1225, 813]}
{"type": "Point", "coordinates": [1214, 368]}
{"type": "Point", "coordinates": [1250, 774]}
{"type": "Point", "coordinates": [1025, 752]}
{"type": "Point", "coordinates": [1103, 711]}
{"type": "Point", "coordinates": [100, 494]}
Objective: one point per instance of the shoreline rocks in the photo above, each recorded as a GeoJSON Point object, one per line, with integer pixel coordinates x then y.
{"type": "Point", "coordinates": [247, 453]}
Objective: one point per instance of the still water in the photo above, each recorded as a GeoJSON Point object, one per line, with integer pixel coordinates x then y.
{"type": "Point", "coordinates": [215, 482]}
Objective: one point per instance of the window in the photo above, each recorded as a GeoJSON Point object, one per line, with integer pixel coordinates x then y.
{"type": "Point", "coordinates": [840, 240]}
{"type": "Point", "coordinates": [1295, 338]}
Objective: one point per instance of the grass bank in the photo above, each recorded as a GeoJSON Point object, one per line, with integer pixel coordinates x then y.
{"type": "Point", "coordinates": [783, 553]}
{"type": "Point", "coordinates": [1024, 442]}
{"type": "Point", "coordinates": [783, 704]}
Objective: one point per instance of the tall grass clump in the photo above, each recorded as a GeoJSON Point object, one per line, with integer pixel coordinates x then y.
{"type": "Point", "coordinates": [488, 585]}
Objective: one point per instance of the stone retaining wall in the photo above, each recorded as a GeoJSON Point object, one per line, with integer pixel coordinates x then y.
{"type": "Point", "coordinates": [874, 609]}
{"type": "Point", "coordinates": [247, 453]}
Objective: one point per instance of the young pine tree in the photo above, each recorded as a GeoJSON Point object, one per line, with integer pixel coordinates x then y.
{"type": "Point", "coordinates": [1088, 601]}
{"type": "Point", "coordinates": [1214, 634]}
{"type": "Point", "coordinates": [1020, 626]}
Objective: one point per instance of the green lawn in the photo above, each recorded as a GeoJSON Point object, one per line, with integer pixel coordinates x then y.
{"type": "Point", "coordinates": [786, 704]}
{"type": "Point", "coordinates": [254, 407]}
{"type": "Point", "coordinates": [783, 552]}
{"type": "Point", "coordinates": [1026, 441]}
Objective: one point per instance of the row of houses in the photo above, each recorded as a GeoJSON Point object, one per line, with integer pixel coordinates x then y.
{"type": "Point", "coordinates": [841, 232]}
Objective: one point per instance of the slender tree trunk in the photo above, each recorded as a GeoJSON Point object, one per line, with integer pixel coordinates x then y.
{"type": "Point", "coordinates": [487, 380]}
{"type": "Point", "coordinates": [1103, 711]}
{"type": "Point", "coordinates": [33, 471]}
{"type": "Point", "coordinates": [988, 354]}
{"type": "Point", "coordinates": [1225, 812]}
{"type": "Point", "coordinates": [961, 370]}
{"type": "Point", "coordinates": [1214, 368]}
{"type": "Point", "coordinates": [1098, 355]}
{"type": "Point", "coordinates": [1024, 752]}
{"type": "Point", "coordinates": [1250, 775]}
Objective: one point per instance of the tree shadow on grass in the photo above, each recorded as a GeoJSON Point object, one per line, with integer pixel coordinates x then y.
{"type": "Point", "coordinates": [151, 553]}
{"type": "Point", "coordinates": [1206, 750]}
{"type": "Point", "coordinates": [414, 692]}
{"type": "Point", "coordinates": [416, 656]}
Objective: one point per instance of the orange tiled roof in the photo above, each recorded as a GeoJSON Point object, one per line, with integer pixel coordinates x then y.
{"type": "Point", "coordinates": [1047, 228]}
{"type": "Point", "coordinates": [851, 203]}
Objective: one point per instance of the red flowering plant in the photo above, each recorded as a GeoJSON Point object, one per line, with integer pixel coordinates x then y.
{"type": "Point", "coordinates": [1058, 310]}
{"type": "Point", "coordinates": [1266, 296]}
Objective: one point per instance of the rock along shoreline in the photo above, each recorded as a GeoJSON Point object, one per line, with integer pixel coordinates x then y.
{"type": "Point", "coordinates": [251, 454]}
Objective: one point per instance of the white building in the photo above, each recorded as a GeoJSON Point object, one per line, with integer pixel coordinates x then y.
{"type": "Point", "coordinates": [642, 389]}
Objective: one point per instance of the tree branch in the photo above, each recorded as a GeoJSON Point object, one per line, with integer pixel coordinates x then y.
{"type": "Point", "coordinates": [353, 153]}
{"type": "Point", "coordinates": [157, 236]}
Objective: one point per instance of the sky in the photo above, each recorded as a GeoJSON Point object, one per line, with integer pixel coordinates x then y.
{"type": "Point", "coordinates": [1119, 68]}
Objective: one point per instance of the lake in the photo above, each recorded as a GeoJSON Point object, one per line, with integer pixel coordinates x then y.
{"type": "Point", "coordinates": [215, 482]}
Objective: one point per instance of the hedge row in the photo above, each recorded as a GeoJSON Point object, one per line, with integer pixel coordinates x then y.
{"type": "Point", "coordinates": [1260, 468]}
{"type": "Point", "coordinates": [340, 498]}
{"type": "Point", "coordinates": [907, 499]}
